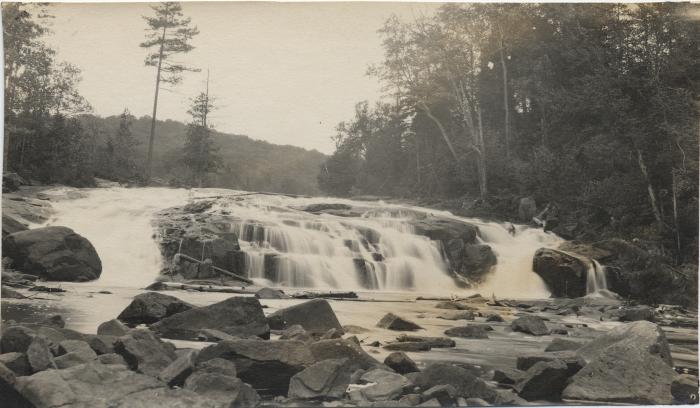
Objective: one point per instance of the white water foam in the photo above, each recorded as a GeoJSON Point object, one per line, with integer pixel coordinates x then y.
{"type": "Point", "coordinates": [306, 250]}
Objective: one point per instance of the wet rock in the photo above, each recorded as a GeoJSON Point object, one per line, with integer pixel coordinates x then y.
{"type": "Point", "coordinates": [177, 372]}
{"type": "Point", "coordinates": [269, 293]}
{"type": "Point", "coordinates": [53, 253]}
{"type": "Point", "coordinates": [214, 336]}
{"type": "Point", "coordinates": [636, 313]}
{"type": "Point", "coordinates": [408, 346]}
{"type": "Point", "coordinates": [73, 359]}
{"type": "Point", "coordinates": [315, 316]}
{"type": "Point", "coordinates": [531, 325]}
{"type": "Point", "coordinates": [445, 394]}
{"type": "Point", "coordinates": [564, 274]}
{"type": "Point", "coordinates": [327, 379]}
{"type": "Point", "coordinates": [386, 385]}
{"type": "Point", "coordinates": [464, 382]}
{"type": "Point", "coordinates": [218, 366]}
{"type": "Point", "coordinates": [77, 346]}
{"type": "Point", "coordinates": [10, 225]}
{"type": "Point", "coordinates": [507, 376]}
{"type": "Point", "coordinates": [352, 329]}
{"type": "Point", "coordinates": [296, 332]}
{"type": "Point", "coordinates": [472, 261]}
{"type": "Point", "coordinates": [435, 342]}
{"type": "Point", "coordinates": [102, 344]}
{"type": "Point", "coordinates": [8, 293]}
{"type": "Point", "coordinates": [410, 399]}
{"type": "Point", "coordinates": [544, 380]}
{"type": "Point", "coordinates": [571, 359]}
{"type": "Point", "coordinates": [454, 305]}
{"type": "Point", "coordinates": [332, 334]}
{"type": "Point", "coordinates": [54, 321]}
{"type": "Point", "coordinates": [226, 390]}
{"type": "Point", "coordinates": [237, 316]}
{"type": "Point", "coordinates": [393, 322]}
{"type": "Point", "coordinates": [164, 398]}
{"type": "Point", "coordinates": [559, 344]}
{"type": "Point", "coordinates": [151, 307]}
{"type": "Point", "coordinates": [323, 207]}
{"type": "Point", "coordinates": [112, 358]}
{"type": "Point", "coordinates": [10, 397]}
{"type": "Point", "coordinates": [16, 339]}
{"type": "Point", "coordinates": [267, 366]}
{"type": "Point", "coordinates": [343, 348]}
{"type": "Point", "coordinates": [467, 332]}
{"type": "Point", "coordinates": [401, 363]}
{"type": "Point", "coordinates": [461, 315]}
{"type": "Point", "coordinates": [17, 363]}
{"type": "Point", "coordinates": [631, 363]}
{"type": "Point", "coordinates": [685, 389]}
{"type": "Point", "coordinates": [92, 384]}
{"type": "Point", "coordinates": [144, 352]}
{"type": "Point", "coordinates": [112, 328]}
{"type": "Point", "coordinates": [39, 355]}
{"type": "Point", "coordinates": [494, 317]}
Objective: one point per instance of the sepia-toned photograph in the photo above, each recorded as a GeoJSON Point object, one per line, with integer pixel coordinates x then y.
{"type": "Point", "coordinates": [349, 204]}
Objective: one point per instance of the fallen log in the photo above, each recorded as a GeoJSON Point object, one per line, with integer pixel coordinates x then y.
{"type": "Point", "coordinates": [199, 288]}
{"type": "Point", "coordinates": [216, 268]}
{"type": "Point", "coordinates": [325, 295]}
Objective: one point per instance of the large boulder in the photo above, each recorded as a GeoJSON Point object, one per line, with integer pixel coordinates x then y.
{"type": "Point", "coordinates": [563, 273]}
{"type": "Point", "coordinates": [401, 363]}
{"type": "Point", "coordinates": [531, 325]}
{"type": "Point", "coordinates": [166, 398]}
{"type": "Point", "coordinates": [92, 384]}
{"type": "Point", "coordinates": [327, 379]}
{"type": "Point", "coordinates": [383, 386]}
{"type": "Point", "coordinates": [265, 365]}
{"type": "Point", "coordinates": [470, 263]}
{"type": "Point", "coordinates": [393, 322]}
{"type": "Point", "coordinates": [315, 316]}
{"type": "Point", "coordinates": [54, 254]}
{"type": "Point", "coordinates": [9, 396]}
{"type": "Point", "coordinates": [630, 364]}
{"type": "Point", "coordinates": [465, 383]}
{"type": "Point", "coordinates": [343, 348]}
{"type": "Point", "coordinates": [237, 316]}
{"type": "Point", "coordinates": [10, 225]}
{"type": "Point", "coordinates": [544, 380]}
{"type": "Point", "coordinates": [151, 307]}
{"type": "Point", "coordinates": [225, 390]}
{"type": "Point", "coordinates": [467, 332]}
{"type": "Point", "coordinates": [144, 352]}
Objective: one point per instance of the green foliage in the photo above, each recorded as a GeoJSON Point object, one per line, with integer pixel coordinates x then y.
{"type": "Point", "coordinates": [199, 152]}
{"type": "Point", "coordinates": [593, 107]}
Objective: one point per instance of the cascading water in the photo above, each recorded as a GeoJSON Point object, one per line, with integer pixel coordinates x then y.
{"type": "Point", "coordinates": [374, 248]}
{"type": "Point", "coordinates": [595, 278]}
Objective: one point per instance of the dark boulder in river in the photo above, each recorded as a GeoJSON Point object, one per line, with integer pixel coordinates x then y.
{"type": "Point", "coordinates": [151, 307]}
{"type": "Point", "coordinates": [54, 254]}
{"type": "Point", "coordinates": [315, 316]}
{"type": "Point", "coordinates": [563, 273]}
{"type": "Point", "coordinates": [237, 316]}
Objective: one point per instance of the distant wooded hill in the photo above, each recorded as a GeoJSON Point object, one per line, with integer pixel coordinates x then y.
{"type": "Point", "coordinates": [247, 164]}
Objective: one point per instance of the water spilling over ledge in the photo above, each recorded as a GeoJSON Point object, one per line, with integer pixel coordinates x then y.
{"type": "Point", "coordinates": [319, 243]}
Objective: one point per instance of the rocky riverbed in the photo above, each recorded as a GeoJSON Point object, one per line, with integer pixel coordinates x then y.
{"type": "Point", "coordinates": [208, 336]}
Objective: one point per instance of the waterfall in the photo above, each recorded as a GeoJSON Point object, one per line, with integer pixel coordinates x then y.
{"type": "Point", "coordinates": [595, 278]}
{"type": "Point", "coordinates": [373, 246]}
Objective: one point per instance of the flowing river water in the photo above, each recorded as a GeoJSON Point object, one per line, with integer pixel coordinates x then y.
{"type": "Point", "coordinates": [316, 251]}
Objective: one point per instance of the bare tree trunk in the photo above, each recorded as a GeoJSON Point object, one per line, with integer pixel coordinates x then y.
{"type": "Point", "coordinates": [149, 160]}
{"type": "Point", "coordinates": [483, 179]}
{"type": "Point", "coordinates": [650, 189]}
{"type": "Point", "coordinates": [506, 108]}
{"type": "Point", "coordinates": [674, 190]}
{"type": "Point", "coordinates": [443, 132]}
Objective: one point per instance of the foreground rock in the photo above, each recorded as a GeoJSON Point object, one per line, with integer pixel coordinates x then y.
{"type": "Point", "coordinates": [315, 316]}
{"type": "Point", "coordinates": [265, 365]}
{"type": "Point", "coordinates": [151, 307]}
{"type": "Point", "coordinates": [53, 253]}
{"type": "Point", "coordinates": [327, 379]}
{"type": "Point", "coordinates": [236, 316]}
{"type": "Point", "coordinates": [465, 383]}
{"type": "Point", "coordinates": [401, 363]}
{"type": "Point", "coordinates": [393, 322]}
{"type": "Point", "coordinates": [543, 381]}
{"type": "Point", "coordinates": [630, 364]}
{"type": "Point", "coordinates": [144, 353]}
{"type": "Point", "coordinates": [531, 325]}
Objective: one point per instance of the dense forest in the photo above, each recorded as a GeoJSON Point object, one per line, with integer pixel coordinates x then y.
{"type": "Point", "coordinates": [591, 108]}
{"type": "Point", "coordinates": [51, 135]}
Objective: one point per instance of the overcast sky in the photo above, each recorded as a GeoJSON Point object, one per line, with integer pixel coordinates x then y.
{"type": "Point", "coordinates": [282, 72]}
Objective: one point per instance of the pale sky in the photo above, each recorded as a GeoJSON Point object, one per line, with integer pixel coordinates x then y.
{"type": "Point", "coordinates": [286, 73]}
